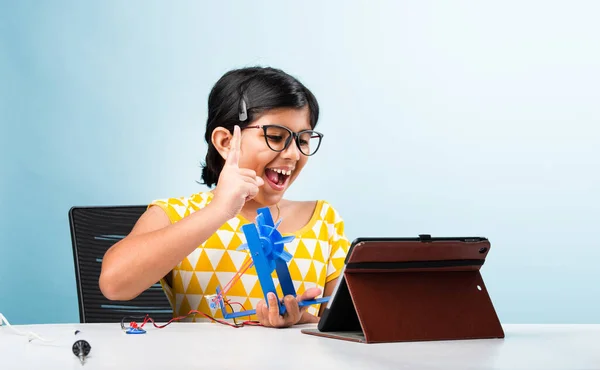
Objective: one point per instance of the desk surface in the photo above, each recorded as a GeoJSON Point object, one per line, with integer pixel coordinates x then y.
{"type": "Point", "coordinates": [213, 346]}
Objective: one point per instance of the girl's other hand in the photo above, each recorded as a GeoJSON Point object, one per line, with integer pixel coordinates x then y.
{"type": "Point", "coordinates": [268, 315]}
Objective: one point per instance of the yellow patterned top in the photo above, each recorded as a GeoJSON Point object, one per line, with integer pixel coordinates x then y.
{"type": "Point", "coordinates": [318, 251]}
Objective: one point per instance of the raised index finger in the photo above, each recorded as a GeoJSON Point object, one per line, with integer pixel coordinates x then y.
{"type": "Point", "coordinates": [233, 158]}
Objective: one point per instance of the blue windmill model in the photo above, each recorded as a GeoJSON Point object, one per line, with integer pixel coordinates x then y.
{"type": "Point", "coordinates": [266, 246]}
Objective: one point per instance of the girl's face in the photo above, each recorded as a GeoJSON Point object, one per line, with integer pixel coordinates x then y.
{"type": "Point", "coordinates": [277, 169]}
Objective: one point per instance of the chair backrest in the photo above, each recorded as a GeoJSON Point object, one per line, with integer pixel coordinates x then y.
{"type": "Point", "coordinates": [93, 231]}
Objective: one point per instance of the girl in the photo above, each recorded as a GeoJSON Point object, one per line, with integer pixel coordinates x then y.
{"type": "Point", "coordinates": [260, 134]}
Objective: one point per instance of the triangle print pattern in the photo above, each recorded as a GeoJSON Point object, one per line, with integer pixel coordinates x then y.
{"type": "Point", "coordinates": [318, 251]}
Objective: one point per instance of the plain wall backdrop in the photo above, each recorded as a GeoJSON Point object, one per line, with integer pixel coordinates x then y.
{"type": "Point", "coordinates": [451, 118]}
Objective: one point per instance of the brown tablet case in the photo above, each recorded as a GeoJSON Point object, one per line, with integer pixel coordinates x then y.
{"type": "Point", "coordinates": [419, 289]}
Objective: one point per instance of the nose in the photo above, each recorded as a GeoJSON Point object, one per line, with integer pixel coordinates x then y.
{"type": "Point", "coordinates": [291, 152]}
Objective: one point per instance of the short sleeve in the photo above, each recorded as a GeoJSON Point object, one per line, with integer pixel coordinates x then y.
{"type": "Point", "coordinates": [339, 246]}
{"type": "Point", "coordinates": [170, 207]}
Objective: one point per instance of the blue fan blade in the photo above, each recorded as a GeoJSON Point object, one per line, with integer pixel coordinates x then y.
{"type": "Point", "coordinates": [260, 220]}
{"type": "Point", "coordinates": [242, 247]}
{"type": "Point", "coordinates": [266, 214]}
{"type": "Point", "coordinates": [286, 256]}
{"type": "Point", "coordinates": [277, 224]}
{"type": "Point", "coordinates": [284, 240]}
{"type": "Point", "coordinates": [287, 239]}
{"type": "Point", "coordinates": [263, 230]}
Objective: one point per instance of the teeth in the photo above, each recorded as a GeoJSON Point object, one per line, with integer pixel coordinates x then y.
{"type": "Point", "coordinates": [283, 172]}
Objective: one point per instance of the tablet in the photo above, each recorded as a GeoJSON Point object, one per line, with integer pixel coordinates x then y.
{"type": "Point", "coordinates": [408, 289]}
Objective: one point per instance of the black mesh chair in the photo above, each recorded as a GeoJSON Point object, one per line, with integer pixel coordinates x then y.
{"type": "Point", "coordinates": [93, 231]}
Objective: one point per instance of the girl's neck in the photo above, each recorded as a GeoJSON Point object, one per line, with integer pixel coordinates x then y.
{"type": "Point", "coordinates": [250, 208]}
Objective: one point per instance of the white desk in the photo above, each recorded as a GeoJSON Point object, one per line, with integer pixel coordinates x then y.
{"type": "Point", "coordinates": [214, 346]}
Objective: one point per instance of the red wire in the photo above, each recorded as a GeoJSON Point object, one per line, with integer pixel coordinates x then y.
{"type": "Point", "coordinates": [243, 308]}
{"type": "Point", "coordinates": [235, 278]}
{"type": "Point", "coordinates": [238, 274]}
{"type": "Point", "coordinates": [238, 303]}
{"type": "Point", "coordinates": [148, 319]}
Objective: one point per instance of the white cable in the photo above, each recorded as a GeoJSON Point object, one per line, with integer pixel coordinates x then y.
{"type": "Point", "coordinates": [30, 335]}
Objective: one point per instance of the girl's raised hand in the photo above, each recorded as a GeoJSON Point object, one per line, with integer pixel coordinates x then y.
{"type": "Point", "coordinates": [236, 185]}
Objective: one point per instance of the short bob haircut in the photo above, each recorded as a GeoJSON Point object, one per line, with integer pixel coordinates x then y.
{"type": "Point", "coordinates": [254, 90]}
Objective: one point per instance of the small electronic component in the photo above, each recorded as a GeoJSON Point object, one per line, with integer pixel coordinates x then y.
{"type": "Point", "coordinates": [134, 328]}
{"type": "Point", "coordinates": [81, 348]}
{"type": "Point", "coordinates": [135, 331]}
{"type": "Point", "coordinates": [213, 301]}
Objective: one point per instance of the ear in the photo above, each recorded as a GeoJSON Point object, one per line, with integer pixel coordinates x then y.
{"type": "Point", "coordinates": [221, 139]}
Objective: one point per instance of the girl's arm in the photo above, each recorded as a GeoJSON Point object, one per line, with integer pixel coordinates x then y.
{"type": "Point", "coordinates": [153, 248]}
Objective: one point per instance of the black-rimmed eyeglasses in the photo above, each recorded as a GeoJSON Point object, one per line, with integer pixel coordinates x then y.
{"type": "Point", "coordinates": [278, 139]}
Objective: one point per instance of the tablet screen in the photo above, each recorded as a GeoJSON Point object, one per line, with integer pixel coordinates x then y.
{"type": "Point", "coordinates": [337, 285]}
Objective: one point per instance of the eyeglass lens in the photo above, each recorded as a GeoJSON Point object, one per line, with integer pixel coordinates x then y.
{"type": "Point", "coordinates": [277, 139]}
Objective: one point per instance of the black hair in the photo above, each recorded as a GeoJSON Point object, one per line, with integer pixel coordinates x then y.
{"type": "Point", "coordinates": [253, 90]}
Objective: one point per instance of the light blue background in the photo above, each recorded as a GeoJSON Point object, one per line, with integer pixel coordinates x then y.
{"type": "Point", "coordinates": [464, 118]}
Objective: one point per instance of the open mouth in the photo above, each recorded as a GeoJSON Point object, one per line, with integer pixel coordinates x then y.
{"type": "Point", "coordinates": [277, 178]}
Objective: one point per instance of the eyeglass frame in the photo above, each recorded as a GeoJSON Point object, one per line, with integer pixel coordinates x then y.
{"type": "Point", "coordinates": [294, 135]}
